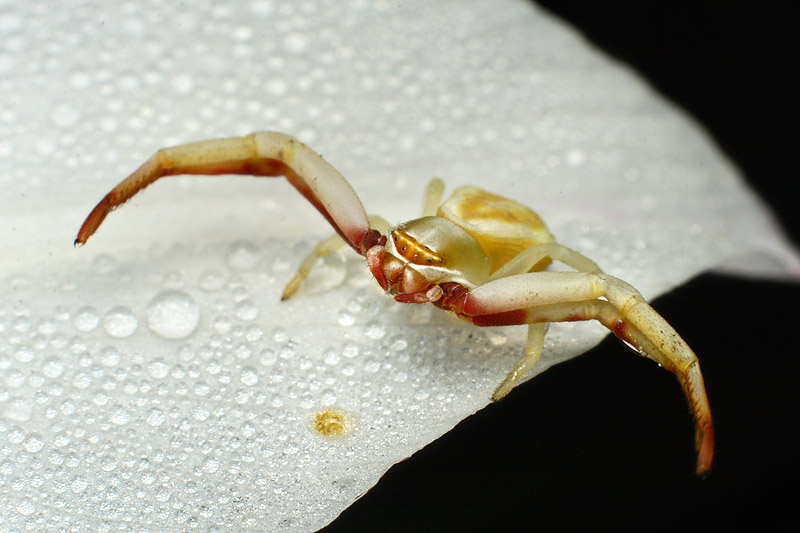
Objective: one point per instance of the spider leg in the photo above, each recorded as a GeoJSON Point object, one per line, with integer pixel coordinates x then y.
{"type": "Point", "coordinates": [433, 197]}
{"type": "Point", "coordinates": [534, 258]}
{"type": "Point", "coordinates": [538, 256]}
{"type": "Point", "coordinates": [326, 247]}
{"type": "Point", "coordinates": [568, 296]}
{"type": "Point", "coordinates": [533, 352]}
{"type": "Point", "coordinates": [258, 154]}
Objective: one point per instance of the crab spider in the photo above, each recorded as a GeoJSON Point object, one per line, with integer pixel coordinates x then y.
{"type": "Point", "coordinates": [478, 255]}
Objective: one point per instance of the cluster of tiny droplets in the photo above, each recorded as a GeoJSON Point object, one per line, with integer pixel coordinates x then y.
{"type": "Point", "coordinates": [185, 379]}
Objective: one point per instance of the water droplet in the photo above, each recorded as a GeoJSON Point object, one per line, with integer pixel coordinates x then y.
{"type": "Point", "coordinates": [155, 417]}
{"type": "Point", "coordinates": [46, 147]}
{"type": "Point", "coordinates": [16, 435]}
{"type": "Point", "coordinates": [254, 334]}
{"type": "Point", "coordinates": [79, 485]}
{"type": "Point", "coordinates": [201, 388]}
{"type": "Point", "coordinates": [328, 397]}
{"type": "Point", "coordinates": [268, 357]}
{"type": "Point", "coordinates": [104, 263]}
{"type": "Point", "coordinates": [158, 369]}
{"type": "Point", "coordinates": [26, 507]}
{"type": "Point", "coordinates": [223, 324]}
{"type": "Point", "coordinates": [110, 356]}
{"type": "Point", "coordinates": [331, 356]}
{"type": "Point", "coordinates": [48, 327]}
{"type": "Point", "coordinates": [346, 319]}
{"type": "Point", "coordinates": [246, 310]}
{"type": "Point", "coordinates": [287, 351]}
{"type": "Point", "coordinates": [186, 353]}
{"type": "Point", "coordinates": [120, 322]}
{"type": "Point", "coordinates": [78, 345]}
{"type": "Point", "coordinates": [210, 465]}
{"type": "Point", "coordinates": [24, 354]}
{"type": "Point", "coordinates": [62, 438]}
{"type": "Point", "coordinates": [108, 463]}
{"type": "Point", "coordinates": [86, 319]}
{"type": "Point", "coordinates": [242, 255]}
{"type": "Point", "coordinates": [280, 335]}
{"type": "Point", "coordinates": [291, 449]}
{"type": "Point", "coordinates": [262, 8]}
{"type": "Point", "coordinates": [399, 343]}
{"type": "Point", "coordinates": [212, 280]}
{"type": "Point", "coordinates": [66, 115]}
{"type": "Point", "coordinates": [307, 402]}
{"type": "Point", "coordinates": [53, 367]}
{"type": "Point", "coordinates": [214, 367]}
{"type": "Point", "coordinates": [34, 443]}
{"type": "Point", "coordinates": [249, 376]}
{"type": "Point", "coordinates": [7, 64]}
{"type": "Point", "coordinates": [36, 380]}
{"type": "Point", "coordinates": [173, 314]}
{"type": "Point", "coordinates": [295, 43]}
{"type": "Point", "coordinates": [375, 330]}
{"type": "Point", "coordinates": [120, 416]}
{"type": "Point", "coordinates": [498, 339]}
{"type": "Point", "coordinates": [350, 350]}
{"type": "Point", "coordinates": [133, 25]}
{"type": "Point", "coordinates": [81, 380]}
{"type": "Point", "coordinates": [19, 409]}
{"type": "Point", "coordinates": [276, 87]}
{"type": "Point", "coordinates": [183, 84]}
{"type": "Point", "coordinates": [201, 413]}
{"type": "Point", "coordinates": [371, 365]}
{"type": "Point", "coordinates": [243, 351]}
{"type": "Point", "coordinates": [79, 80]}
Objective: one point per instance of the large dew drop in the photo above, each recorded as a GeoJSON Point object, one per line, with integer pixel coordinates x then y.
{"type": "Point", "coordinates": [173, 314]}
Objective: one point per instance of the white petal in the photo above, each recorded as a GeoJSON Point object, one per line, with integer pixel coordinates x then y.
{"type": "Point", "coordinates": [137, 414]}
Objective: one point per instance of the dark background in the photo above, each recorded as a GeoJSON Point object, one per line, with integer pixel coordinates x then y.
{"type": "Point", "coordinates": [605, 441]}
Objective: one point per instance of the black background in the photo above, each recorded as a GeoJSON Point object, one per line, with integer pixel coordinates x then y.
{"type": "Point", "coordinates": [605, 441]}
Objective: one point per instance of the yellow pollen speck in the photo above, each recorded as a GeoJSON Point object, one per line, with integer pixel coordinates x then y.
{"type": "Point", "coordinates": [332, 423]}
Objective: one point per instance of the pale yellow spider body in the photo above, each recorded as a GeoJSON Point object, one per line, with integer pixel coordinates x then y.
{"type": "Point", "coordinates": [502, 227]}
{"type": "Point", "coordinates": [477, 255]}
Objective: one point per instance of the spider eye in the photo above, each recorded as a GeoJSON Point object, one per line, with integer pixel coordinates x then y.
{"type": "Point", "coordinates": [429, 261]}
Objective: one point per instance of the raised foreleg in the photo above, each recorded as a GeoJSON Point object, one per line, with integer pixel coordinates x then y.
{"type": "Point", "coordinates": [258, 154]}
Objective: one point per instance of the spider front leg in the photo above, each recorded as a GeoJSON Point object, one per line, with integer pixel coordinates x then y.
{"type": "Point", "coordinates": [326, 247]}
{"type": "Point", "coordinates": [571, 296]}
{"type": "Point", "coordinates": [258, 154]}
{"type": "Point", "coordinates": [433, 197]}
